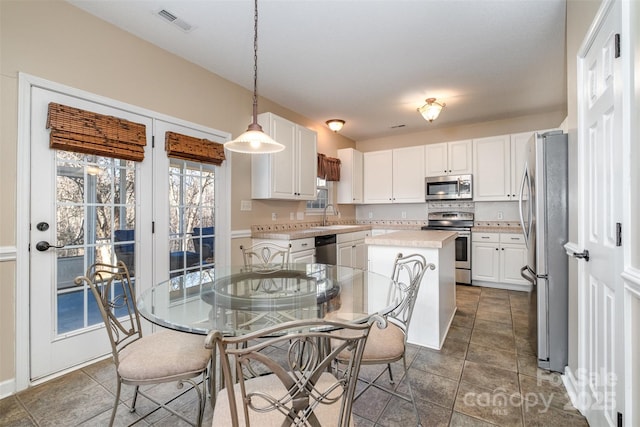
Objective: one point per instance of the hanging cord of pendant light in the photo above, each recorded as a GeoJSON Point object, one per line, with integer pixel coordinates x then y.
{"type": "Point", "coordinates": [254, 140]}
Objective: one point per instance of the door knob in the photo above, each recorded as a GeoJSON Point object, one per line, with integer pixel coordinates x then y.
{"type": "Point", "coordinates": [43, 246]}
{"type": "Point", "coordinates": [582, 255]}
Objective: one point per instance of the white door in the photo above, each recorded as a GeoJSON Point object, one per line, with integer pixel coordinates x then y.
{"type": "Point", "coordinates": [600, 289]}
{"type": "Point", "coordinates": [77, 201]}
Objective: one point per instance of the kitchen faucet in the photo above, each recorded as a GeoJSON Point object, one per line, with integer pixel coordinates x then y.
{"type": "Point", "coordinates": [324, 214]}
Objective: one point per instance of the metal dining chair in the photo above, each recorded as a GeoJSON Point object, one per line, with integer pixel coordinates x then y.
{"type": "Point", "coordinates": [266, 256]}
{"type": "Point", "coordinates": [297, 385]}
{"type": "Point", "coordinates": [388, 345]}
{"type": "Point", "coordinates": [162, 357]}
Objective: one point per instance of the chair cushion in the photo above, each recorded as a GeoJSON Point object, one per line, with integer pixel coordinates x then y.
{"type": "Point", "coordinates": [384, 345]}
{"type": "Point", "coordinates": [326, 414]}
{"type": "Point", "coordinates": [162, 357]}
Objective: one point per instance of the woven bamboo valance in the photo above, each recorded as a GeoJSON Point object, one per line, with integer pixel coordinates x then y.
{"type": "Point", "coordinates": [328, 168]}
{"type": "Point", "coordinates": [81, 131]}
{"type": "Point", "coordinates": [189, 148]}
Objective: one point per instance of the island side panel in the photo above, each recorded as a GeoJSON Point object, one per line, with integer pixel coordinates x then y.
{"type": "Point", "coordinates": [425, 324]}
{"type": "Point", "coordinates": [447, 282]}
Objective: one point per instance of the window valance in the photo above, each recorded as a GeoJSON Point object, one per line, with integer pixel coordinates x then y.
{"type": "Point", "coordinates": [189, 148]}
{"type": "Point", "coordinates": [328, 168]}
{"type": "Point", "coordinates": [81, 131]}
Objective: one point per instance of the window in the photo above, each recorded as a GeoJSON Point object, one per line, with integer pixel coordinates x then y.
{"type": "Point", "coordinates": [324, 197]}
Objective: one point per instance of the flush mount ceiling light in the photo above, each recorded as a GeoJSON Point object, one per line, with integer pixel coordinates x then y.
{"type": "Point", "coordinates": [335, 124]}
{"type": "Point", "coordinates": [254, 140]}
{"type": "Point", "coordinates": [431, 110]}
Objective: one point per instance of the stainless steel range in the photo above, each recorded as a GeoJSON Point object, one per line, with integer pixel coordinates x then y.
{"type": "Point", "coordinates": [462, 223]}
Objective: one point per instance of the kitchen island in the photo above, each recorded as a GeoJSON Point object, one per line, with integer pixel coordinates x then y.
{"type": "Point", "coordinates": [436, 302]}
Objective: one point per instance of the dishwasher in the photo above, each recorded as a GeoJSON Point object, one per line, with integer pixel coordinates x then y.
{"type": "Point", "coordinates": [326, 250]}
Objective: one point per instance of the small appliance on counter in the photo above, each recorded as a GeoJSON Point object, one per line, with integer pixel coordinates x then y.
{"type": "Point", "coordinates": [462, 223]}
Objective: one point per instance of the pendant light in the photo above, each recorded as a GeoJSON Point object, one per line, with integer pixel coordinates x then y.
{"type": "Point", "coordinates": [254, 140]}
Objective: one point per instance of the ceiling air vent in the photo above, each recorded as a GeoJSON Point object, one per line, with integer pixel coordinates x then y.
{"type": "Point", "coordinates": [170, 17]}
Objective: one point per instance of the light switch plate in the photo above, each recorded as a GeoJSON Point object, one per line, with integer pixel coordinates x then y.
{"type": "Point", "coordinates": [245, 205]}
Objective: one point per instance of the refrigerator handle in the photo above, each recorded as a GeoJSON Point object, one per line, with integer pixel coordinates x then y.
{"type": "Point", "coordinates": [520, 203]}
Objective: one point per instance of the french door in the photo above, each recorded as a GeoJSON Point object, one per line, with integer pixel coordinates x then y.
{"type": "Point", "coordinates": [78, 201]}
{"type": "Point", "coordinates": [162, 217]}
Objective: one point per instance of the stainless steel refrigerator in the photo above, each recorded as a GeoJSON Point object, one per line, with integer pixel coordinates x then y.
{"type": "Point", "coordinates": [543, 215]}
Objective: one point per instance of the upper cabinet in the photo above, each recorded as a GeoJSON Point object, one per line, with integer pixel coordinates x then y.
{"type": "Point", "coordinates": [291, 173]}
{"type": "Point", "coordinates": [449, 158]}
{"type": "Point", "coordinates": [394, 176]}
{"type": "Point", "coordinates": [350, 186]}
{"type": "Point", "coordinates": [498, 165]}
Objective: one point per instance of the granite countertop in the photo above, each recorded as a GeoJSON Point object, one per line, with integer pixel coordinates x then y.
{"type": "Point", "coordinates": [414, 238]}
{"type": "Point", "coordinates": [303, 233]}
{"type": "Point", "coordinates": [497, 227]}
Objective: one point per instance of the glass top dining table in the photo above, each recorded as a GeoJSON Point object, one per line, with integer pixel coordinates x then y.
{"type": "Point", "coordinates": [239, 300]}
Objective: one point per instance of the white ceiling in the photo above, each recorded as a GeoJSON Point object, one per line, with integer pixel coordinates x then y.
{"type": "Point", "coordinates": [370, 62]}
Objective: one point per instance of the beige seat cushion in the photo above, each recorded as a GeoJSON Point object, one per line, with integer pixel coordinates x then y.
{"type": "Point", "coordinates": [383, 345]}
{"type": "Point", "coordinates": [162, 357]}
{"type": "Point", "coordinates": [270, 384]}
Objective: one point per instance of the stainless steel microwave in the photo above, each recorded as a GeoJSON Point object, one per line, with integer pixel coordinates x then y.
{"type": "Point", "coordinates": [449, 187]}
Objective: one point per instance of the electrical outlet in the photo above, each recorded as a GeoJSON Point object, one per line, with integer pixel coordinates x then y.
{"type": "Point", "coordinates": [300, 216]}
{"type": "Point", "coordinates": [370, 215]}
{"type": "Point", "coordinates": [274, 216]}
{"type": "Point", "coordinates": [292, 216]}
{"type": "Point", "coordinates": [500, 215]}
{"type": "Point", "coordinates": [404, 215]}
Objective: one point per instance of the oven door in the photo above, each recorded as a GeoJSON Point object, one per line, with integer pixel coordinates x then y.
{"type": "Point", "coordinates": [463, 245]}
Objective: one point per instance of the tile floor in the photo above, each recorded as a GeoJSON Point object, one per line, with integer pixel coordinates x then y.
{"type": "Point", "coordinates": [484, 375]}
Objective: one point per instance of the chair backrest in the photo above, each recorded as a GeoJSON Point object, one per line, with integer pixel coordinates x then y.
{"type": "Point", "coordinates": [114, 293]}
{"type": "Point", "coordinates": [204, 241]}
{"type": "Point", "coordinates": [408, 271]}
{"type": "Point", "coordinates": [296, 386]}
{"type": "Point", "coordinates": [266, 255]}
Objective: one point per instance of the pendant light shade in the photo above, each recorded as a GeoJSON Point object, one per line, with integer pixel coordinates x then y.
{"type": "Point", "coordinates": [254, 140]}
{"type": "Point", "coordinates": [431, 110]}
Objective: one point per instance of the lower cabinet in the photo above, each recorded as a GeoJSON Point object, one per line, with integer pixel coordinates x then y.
{"type": "Point", "coordinates": [352, 252]}
{"type": "Point", "coordinates": [302, 250]}
{"type": "Point", "coordinates": [498, 257]}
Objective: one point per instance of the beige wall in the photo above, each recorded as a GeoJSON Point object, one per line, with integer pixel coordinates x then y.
{"type": "Point", "coordinates": [580, 14]}
{"type": "Point", "coordinates": [58, 42]}
{"type": "Point", "coordinates": [548, 120]}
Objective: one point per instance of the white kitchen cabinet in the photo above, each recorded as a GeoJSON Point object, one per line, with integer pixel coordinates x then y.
{"type": "Point", "coordinates": [498, 257]}
{"type": "Point", "coordinates": [485, 256]}
{"type": "Point", "coordinates": [350, 186]}
{"type": "Point", "coordinates": [498, 166]}
{"type": "Point", "coordinates": [302, 250]}
{"type": "Point", "coordinates": [518, 158]}
{"type": "Point", "coordinates": [352, 251]}
{"type": "Point", "coordinates": [449, 158]}
{"type": "Point", "coordinates": [394, 176]}
{"type": "Point", "coordinates": [491, 168]}
{"type": "Point", "coordinates": [289, 174]}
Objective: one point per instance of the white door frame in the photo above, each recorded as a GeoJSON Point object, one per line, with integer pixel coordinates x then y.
{"type": "Point", "coordinates": [25, 83]}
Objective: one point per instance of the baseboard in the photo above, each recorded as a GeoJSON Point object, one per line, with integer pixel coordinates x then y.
{"type": "Point", "coordinates": [571, 384]}
{"type": "Point", "coordinates": [507, 286]}
{"type": "Point", "coordinates": [7, 388]}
